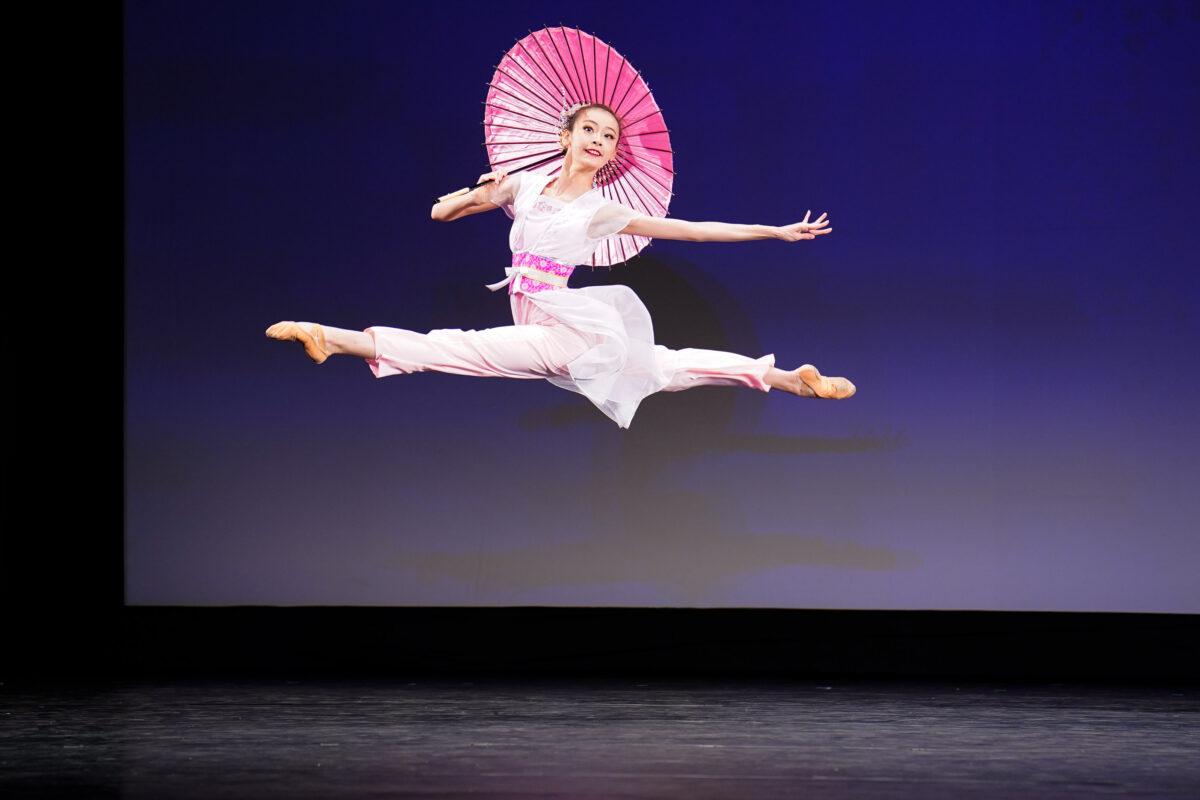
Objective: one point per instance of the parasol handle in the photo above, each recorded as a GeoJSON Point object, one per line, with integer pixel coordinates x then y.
{"type": "Point", "coordinates": [459, 193]}
{"type": "Point", "coordinates": [465, 189]}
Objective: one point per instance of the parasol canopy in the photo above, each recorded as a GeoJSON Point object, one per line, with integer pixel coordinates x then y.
{"type": "Point", "coordinates": [540, 78]}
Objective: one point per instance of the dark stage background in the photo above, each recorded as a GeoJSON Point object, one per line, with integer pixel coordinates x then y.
{"type": "Point", "coordinates": [1011, 284]}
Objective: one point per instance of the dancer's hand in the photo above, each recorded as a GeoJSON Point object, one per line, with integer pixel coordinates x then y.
{"type": "Point", "coordinates": [485, 193]}
{"type": "Point", "coordinates": [804, 229]}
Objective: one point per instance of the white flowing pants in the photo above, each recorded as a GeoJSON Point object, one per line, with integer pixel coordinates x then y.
{"type": "Point", "coordinates": [541, 350]}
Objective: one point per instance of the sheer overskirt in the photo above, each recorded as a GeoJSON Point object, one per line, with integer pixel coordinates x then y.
{"type": "Point", "coordinates": [623, 365]}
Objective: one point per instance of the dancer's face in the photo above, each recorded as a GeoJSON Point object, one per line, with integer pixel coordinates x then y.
{"type": "Point", "coordinates": [594, 139]}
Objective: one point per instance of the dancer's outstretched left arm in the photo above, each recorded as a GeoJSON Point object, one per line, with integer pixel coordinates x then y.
{"type": "Point", "coordinates": [683, 230]}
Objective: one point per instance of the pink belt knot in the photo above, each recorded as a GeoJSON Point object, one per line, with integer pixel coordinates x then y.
{"type": "Point", "coordinates": [533, 273]}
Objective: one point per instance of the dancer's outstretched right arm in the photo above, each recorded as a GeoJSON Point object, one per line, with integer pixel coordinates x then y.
{"type": "Point", "coordinates": [476, 201]}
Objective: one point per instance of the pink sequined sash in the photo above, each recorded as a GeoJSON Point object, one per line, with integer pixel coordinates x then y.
{"type": "Point", "coordinates": [533, 273]}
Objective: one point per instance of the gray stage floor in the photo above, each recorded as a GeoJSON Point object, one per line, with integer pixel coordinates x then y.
{"type": "Point", "coordinates": [598, 739]}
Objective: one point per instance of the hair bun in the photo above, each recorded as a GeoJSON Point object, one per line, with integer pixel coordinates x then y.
{"type": "Point", "coordinates": [566, 115]}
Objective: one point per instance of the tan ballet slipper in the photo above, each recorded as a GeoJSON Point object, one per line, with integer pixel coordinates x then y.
{"type": "Point", "coordinates": [826, 388]}
{"type": "Point", "coordinates": [314, 343]}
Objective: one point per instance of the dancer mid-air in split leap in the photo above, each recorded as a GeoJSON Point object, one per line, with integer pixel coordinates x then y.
{"type": "Point", "coordinates": [594, 340]}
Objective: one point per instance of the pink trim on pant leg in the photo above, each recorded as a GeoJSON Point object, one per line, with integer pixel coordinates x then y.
{"type": "Point", "coordinates": [699, 367]}
{"type": "Point", "coordinates": [380, 368]}
{"type": "Point", "coordinates": [761, 376]}
{"type": "Point", "coordinates": [399, 351]}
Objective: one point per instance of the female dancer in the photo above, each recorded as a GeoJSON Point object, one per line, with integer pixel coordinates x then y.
{"type": "Point", "coordinates": [595, 340]}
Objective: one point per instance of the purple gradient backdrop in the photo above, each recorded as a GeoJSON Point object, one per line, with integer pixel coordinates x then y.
{"type": "Point", "coordinates": [1011, 283]}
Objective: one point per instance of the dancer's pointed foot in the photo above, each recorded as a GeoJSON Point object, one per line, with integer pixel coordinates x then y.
{"type": "Point", "coordinates": [791, 383]}
{"type": "Point", "coordinates": [310, 334]}
{"type": "Point", "coordinates": [827, 388]}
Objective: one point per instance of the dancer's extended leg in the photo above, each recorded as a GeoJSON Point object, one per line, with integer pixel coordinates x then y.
{"type": "Point", "coordinates": [510, 351]}
{"type": "Point", "coordinates": [698, 367]}
{"type": "Point", "coordinates": [694, 366]}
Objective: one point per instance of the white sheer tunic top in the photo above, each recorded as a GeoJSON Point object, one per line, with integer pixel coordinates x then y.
{"type": "Point", "coordinates": [568, 232]}
{"type": "Point", "coordinates": [622, 364]}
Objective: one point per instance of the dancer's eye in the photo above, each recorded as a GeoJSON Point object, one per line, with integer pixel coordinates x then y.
{"type": "Point", "coordinates": [589, 127]}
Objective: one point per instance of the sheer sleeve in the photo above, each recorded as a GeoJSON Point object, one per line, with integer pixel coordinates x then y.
{"type": "Point", "coordinates": [506, 196]}
{"type": "Point", "coordinates": [609, 219]}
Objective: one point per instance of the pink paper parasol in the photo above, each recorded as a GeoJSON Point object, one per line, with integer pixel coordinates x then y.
{"type": "Point", "coordinates": [541, 77]}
